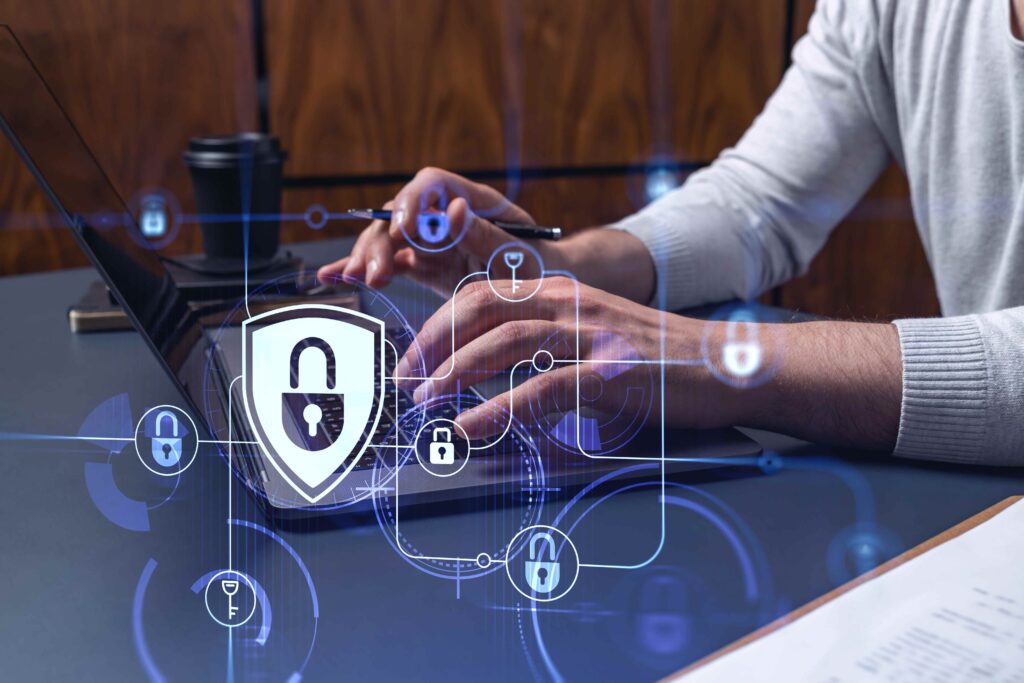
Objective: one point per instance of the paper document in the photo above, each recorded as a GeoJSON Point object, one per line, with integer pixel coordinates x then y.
{"type": "Point", "coordinates": [954, 613]}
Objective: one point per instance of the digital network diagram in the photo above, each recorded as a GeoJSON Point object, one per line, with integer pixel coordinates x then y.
{"type": "Point", "coordinates": [321, 422]}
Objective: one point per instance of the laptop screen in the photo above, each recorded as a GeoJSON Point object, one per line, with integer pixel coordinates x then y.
{"type": "Point", "coordinates": [65, 167]}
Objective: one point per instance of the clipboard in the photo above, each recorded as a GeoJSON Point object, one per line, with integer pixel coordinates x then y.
{"type": "Point", "coordinates": [796, 614]}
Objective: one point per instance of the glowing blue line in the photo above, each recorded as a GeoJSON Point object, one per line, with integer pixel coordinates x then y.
{"type": "Point", "coordinates": [611, 475]}
{"type": "Point", "coordinates": [543, 649]}
{"type": "Point", "coordinates": [734, 540]}
{"type": "Point", "coordinates": [213, 218]}
{"type": "Point", "coordinates": [555, 610]}
{"type": "Point", "coordinates": [246, 216]}
{"type": "Point", "coordinates": [138, 634]}
{"type": "Point", "coordinates": [291, 551]}
{"type": "Point", "coordinates": [25, 436]}
{"type": "Point", "coordinates": [661, 368]}
{"type": "Point", "coordinates": [231, 657]}
{"type": "Point", "coordinates": [305, 572]}
{"type": "Point", "coordinates": [632, 362]}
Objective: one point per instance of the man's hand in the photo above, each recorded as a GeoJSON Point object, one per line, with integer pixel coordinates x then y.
{"type": "Point", "coordinates": [831, 382]}
{"type": "Point", "coordinates": [610, 259]}
{"type": "Point", "coordinates": [492, 335]}
{"type": "Point", "coordinates": [618, 340]}
{"type": "Point", "coordinates": [383, 249]}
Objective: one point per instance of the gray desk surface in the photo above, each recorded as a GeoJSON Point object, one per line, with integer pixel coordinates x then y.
{"type": "Point", "coordinates": [747, 547]}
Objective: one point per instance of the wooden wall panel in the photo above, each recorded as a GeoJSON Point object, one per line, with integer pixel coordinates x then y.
{"type": "Point", "coordinates": [378, 86]}
{"type": "Point", "coordinates": [372, 86]}
{"type": "Point", "coordinates": [138, 79]}
{"type": "Point", "coordinates": [873, 266]}
{"type": "Point", "coordinates": [359, 86]}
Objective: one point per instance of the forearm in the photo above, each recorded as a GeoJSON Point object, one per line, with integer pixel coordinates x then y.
{"type": "Point", "coordinates": [612, 260]}
{"type": "Point", "coordinates": [836, 382]}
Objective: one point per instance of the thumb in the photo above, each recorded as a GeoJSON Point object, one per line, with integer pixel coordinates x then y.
{"type": "Point", "coordinates": [480, 237]}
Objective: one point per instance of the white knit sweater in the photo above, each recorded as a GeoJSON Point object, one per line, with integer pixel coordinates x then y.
{"type": "Point", "coordinates": [939, 86]}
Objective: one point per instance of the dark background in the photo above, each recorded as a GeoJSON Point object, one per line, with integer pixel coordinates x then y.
{"type": "Point", "coordinates": [564, 104]}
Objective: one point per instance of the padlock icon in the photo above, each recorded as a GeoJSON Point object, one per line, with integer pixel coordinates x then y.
{"type": "Point", "coordinates": [153, 218]}
{"type": "Point", "coordinates": [662, 626]}
{"type": "Point", "coordinates": [313, 433]}
{"type": "Point", "coordinates": [741, 358]}
{"type": "Point", "coordinates": [166, 449]}
{"type": "Point", "coordinates": [542, 575]}
{"type": "Point", "coordinates": [442, 452]}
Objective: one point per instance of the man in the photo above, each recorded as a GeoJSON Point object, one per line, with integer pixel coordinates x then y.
{"type": "Point", "coordinates": [936, 84]}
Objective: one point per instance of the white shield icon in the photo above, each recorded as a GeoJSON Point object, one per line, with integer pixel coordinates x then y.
{"type": "Point", "coordinates": [314, 377]}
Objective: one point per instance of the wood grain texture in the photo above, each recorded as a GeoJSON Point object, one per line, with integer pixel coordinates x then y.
{"type": "Point", "coordinates": [137, 79]}
{"type": "Point", "coordinates": [371, 86]}
{"type": "Point", "coordinates": [375, 86]}
{"type": "Point", "coordinates": [873, 266]}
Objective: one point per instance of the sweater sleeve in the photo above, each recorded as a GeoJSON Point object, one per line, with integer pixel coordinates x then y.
{"type": "Point", "coordinates": [963, 388]}
{"type": "Point", "coordinates": [757, 216]}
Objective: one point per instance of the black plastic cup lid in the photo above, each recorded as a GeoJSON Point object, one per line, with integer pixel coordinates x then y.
{"type": "Point", "coordinates": [228, 150]}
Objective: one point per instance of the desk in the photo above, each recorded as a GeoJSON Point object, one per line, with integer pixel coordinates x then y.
{"type": "Point", "coordinates": [748, 546]}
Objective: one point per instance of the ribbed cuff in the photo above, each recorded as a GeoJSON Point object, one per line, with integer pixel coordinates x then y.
{"type": "Point", "coordinates": [673, 260]}
{"type": "Point", "coordinates": [945, 389]}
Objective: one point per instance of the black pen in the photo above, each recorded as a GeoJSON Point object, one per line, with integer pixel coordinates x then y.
{"type": "Point", "coordinates": [520, 230]}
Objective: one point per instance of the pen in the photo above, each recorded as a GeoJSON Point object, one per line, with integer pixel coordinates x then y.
{"type": "Point", "coordinates": [521, 230]}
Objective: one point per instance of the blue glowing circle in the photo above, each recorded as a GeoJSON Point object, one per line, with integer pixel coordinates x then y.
{"type": "Point", "coordinates": [316, 216]}
{"type": "Point", "coordinates": [738, 317]}
{"type": "Point", "coordinates": [239, 578]}
{"type": "Point", "coordinates": [858, 549]}
{"type": "Point", "coordinates": [660, 181]}
{"type": "Point", "coordinates": [136, 205]}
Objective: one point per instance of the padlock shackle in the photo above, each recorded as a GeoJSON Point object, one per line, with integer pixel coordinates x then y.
{"type": "Point", "coordinates": [737, 317]}
{"type": "Point", "coordinates": [543, 535]}
{"type": "Point", "coordinates": [160, 418]}
{"type": "Point", "coordinates": [447, 433]}
{"type": "Point", "coordinates": [325, 348]}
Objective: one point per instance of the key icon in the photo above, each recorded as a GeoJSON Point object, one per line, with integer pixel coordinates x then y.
{"type": "Point", "coordinates": [230, 587]}
{"type": "Point", "coordinates": [514, 259]}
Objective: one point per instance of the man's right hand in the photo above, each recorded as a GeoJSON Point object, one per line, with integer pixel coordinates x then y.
{"type": "Point", "coordinates": [383, 250]}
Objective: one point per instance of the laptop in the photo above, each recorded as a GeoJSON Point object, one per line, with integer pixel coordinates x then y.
{"type": "Point", "coordinates": [200, 349]}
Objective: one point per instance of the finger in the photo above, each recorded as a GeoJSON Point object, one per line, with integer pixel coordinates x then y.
{"type": "Point", "coordinates": [545, 392]}
{"type": "Point", "coordinates": [486, 356]}
{"type": "Point", "coordinates": [405, 260]}
{"type": "Point", "coordinates": [480, 237]}
{"type": "Point", "coordinates": [367, 255]}
{"type": "Point", "coordinates": [434, 188]}
{"type": "Point", "coordinates": [331, 272]}
{"type": "Point", "coordinates": [379, 256]}
{"type": "Point", "coordinates": [474, 310]}
{"type": "Point", "coordinates": [357, 262]}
